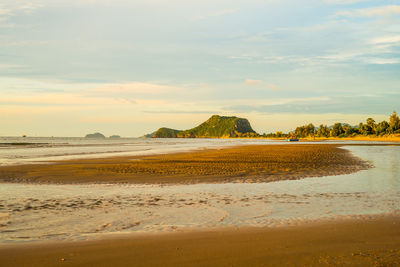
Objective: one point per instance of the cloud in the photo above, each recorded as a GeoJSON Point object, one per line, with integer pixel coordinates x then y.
{"type": "Point", "coordinates": [182, 111]}
{"type": "Point", "coordinates": [371, 11]}
{"type": "Point", "coordinates": [107, 119]}
{"type": "Point", "coordinates": [393, 39]}
{"type": "Point", "coordinates": [10, 66]}
{"type": "Point", "coordinates": [344, 2]}
{"type": "Point", "coordinates": [274, 87]}
{"type": "Point", "coordinates": [74, 99]}
{"type": "Point", "coordinates": [251, 82]}
{"type": "Point", "coordinates": [22, 4]}
{"type": "Point", "coordinates": [55, 99]}
{"type": "Point", "coordinates": [260, 83]}
{"type": "Point", "coordinates": [137, 95]}
{"type": "Point", "coordinates": [9, 9]}
{"type": "Point", "coordinates": [382, 61]}
{"type": "Point", "coordinates": [135, 88]}
{"type": "Point", "coordinates": [362, 104]}
{"type": "Point", "coordinates": [5, 11]}
{"type": "Point", "coordinates": [215, 14]}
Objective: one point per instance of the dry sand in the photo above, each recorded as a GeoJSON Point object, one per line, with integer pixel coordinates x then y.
{"type": "Point", "coordinates": [375, 242]}
{"type": "Point", "coordinates": [255, 163]}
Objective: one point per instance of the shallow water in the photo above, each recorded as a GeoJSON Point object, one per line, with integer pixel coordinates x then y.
{"type": "Point", "coordinates": [45, 149]}
{"type": "Point", "coordinates": [76, 212]}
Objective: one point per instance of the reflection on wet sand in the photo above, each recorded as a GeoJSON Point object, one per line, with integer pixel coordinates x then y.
{"type": "Point", "coordinates": [255, 163]}
{"type": "Point", "coordinates": [76, 212]}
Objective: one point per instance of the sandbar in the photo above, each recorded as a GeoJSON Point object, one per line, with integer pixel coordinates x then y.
{"type": "Point", "coordinates": [250, 163]}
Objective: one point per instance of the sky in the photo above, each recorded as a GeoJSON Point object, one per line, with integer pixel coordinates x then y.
{"type": "Point", "coordinates": [68, 68]}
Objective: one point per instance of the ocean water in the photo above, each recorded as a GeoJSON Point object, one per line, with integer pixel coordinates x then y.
{"type": "Point", "coordinates": [36, 213]}
{"type": "Point", "coordinates": [28, 150]}
{"type": "Point", "coordinates": [45, 149]}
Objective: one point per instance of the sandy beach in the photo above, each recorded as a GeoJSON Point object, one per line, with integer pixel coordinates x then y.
{"type": "Point", "coordinates": [255, 163]}
{"type": "Point", "coordinates": [174, 209]}
{"type": "Point", "coordinates": [199, 133]}
{"type": "Point", "coordinates": [372, 242]}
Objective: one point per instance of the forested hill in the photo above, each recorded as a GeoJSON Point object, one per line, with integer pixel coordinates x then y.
{"type": "Point", "coordinates": [214, 127]}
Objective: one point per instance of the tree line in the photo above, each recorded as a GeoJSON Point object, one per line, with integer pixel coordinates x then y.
{"type": "Point", "coordinates": [370, 127]}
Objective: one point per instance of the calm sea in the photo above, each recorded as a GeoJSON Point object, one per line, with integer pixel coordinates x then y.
{"type": "Point", "coordinates": [19, 150]}
{"type": "Point", "coordinates": [27, 150]}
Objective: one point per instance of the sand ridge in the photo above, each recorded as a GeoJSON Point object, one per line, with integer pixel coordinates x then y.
{"type": "Point", "coordinates": [251, 163]}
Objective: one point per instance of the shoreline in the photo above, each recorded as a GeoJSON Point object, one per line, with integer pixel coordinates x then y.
{"type": "Point", "coordinates": [372, 138]}
{"type": "Point", "coordinates": [245, 163]}
{"type": "Point", "coordinates": [357, 240]}
{"type": "Point", "coordinates": [374, 240]}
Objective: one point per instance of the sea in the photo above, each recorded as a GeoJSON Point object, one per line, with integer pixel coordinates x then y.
{"type": "Point", "coordinates": [28, 150]}
{"type": "Point", "coordinates": [50, 212]}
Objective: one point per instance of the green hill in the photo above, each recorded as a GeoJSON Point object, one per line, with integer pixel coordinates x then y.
{"type": "Point", "coordinates": [215, 127]}
{"type": "Point", "coordinates": [166, 133]}
{"type": "Point", "coordinates": [150, 135]}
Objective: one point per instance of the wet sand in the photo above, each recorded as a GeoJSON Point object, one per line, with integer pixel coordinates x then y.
{"type": "Point", "coordinates": [373, 242]}
{"type": "Point", "coordinates": [252, 163]}
{"type": "Point", "coordinates": [366, 241]}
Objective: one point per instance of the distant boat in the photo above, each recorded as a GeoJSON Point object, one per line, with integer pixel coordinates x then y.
{"type": "Point", "coordinates": [292, 140]}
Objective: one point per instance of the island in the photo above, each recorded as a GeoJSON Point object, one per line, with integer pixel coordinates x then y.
{"type": "Point", "coordinates": [114, 136]}
{"type": "Point", "coordinates": [215, 127]}
{"type": "Point", "coordinates": [95, 135]}
{"type": "Point", "coordinates": [150, 135]}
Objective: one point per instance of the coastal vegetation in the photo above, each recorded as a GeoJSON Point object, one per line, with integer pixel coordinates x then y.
{"type": "Point", "coordinates": [341, 130]}
{"type": "Point", "coordinates": [166, 133]}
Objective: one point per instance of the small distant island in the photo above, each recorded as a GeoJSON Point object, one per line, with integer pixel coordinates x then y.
{"type": "Point", "coordinates": [95, 135]}
{"type": "Point", "coordinates": [215, 127]}
{"type": "Point", "coordinates": [100, 135]}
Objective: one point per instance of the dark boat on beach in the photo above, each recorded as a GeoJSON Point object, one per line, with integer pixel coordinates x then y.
{"type": "Point", "coordinates": [292, 140]}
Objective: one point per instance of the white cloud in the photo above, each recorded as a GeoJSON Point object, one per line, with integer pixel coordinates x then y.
{"type": "Point", "coordinates": [251, 82]}
{"type": "Point", "coordinates": [386, 40]}
{"type": "Point", "coordinates": [260, 83]}
{"type": "Point", "coordinates": [9, 9]}
{"type": "Point", "coordinates": [10, 66]}
{"type": "Point", "coordinates": [136, 88]}
{"type": "Point", "coordinates": [344, 2]}
{"type": "Point", "coordinates": [5, 11]}
{"type": "Point", "coordinates": [26, 92]}
{"type": "Point", "coordinates": [382, 61]}
{"type": "Point", "coordinates": [371, 11]}
{"type": "Point", "coordinates": [274, 87]}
